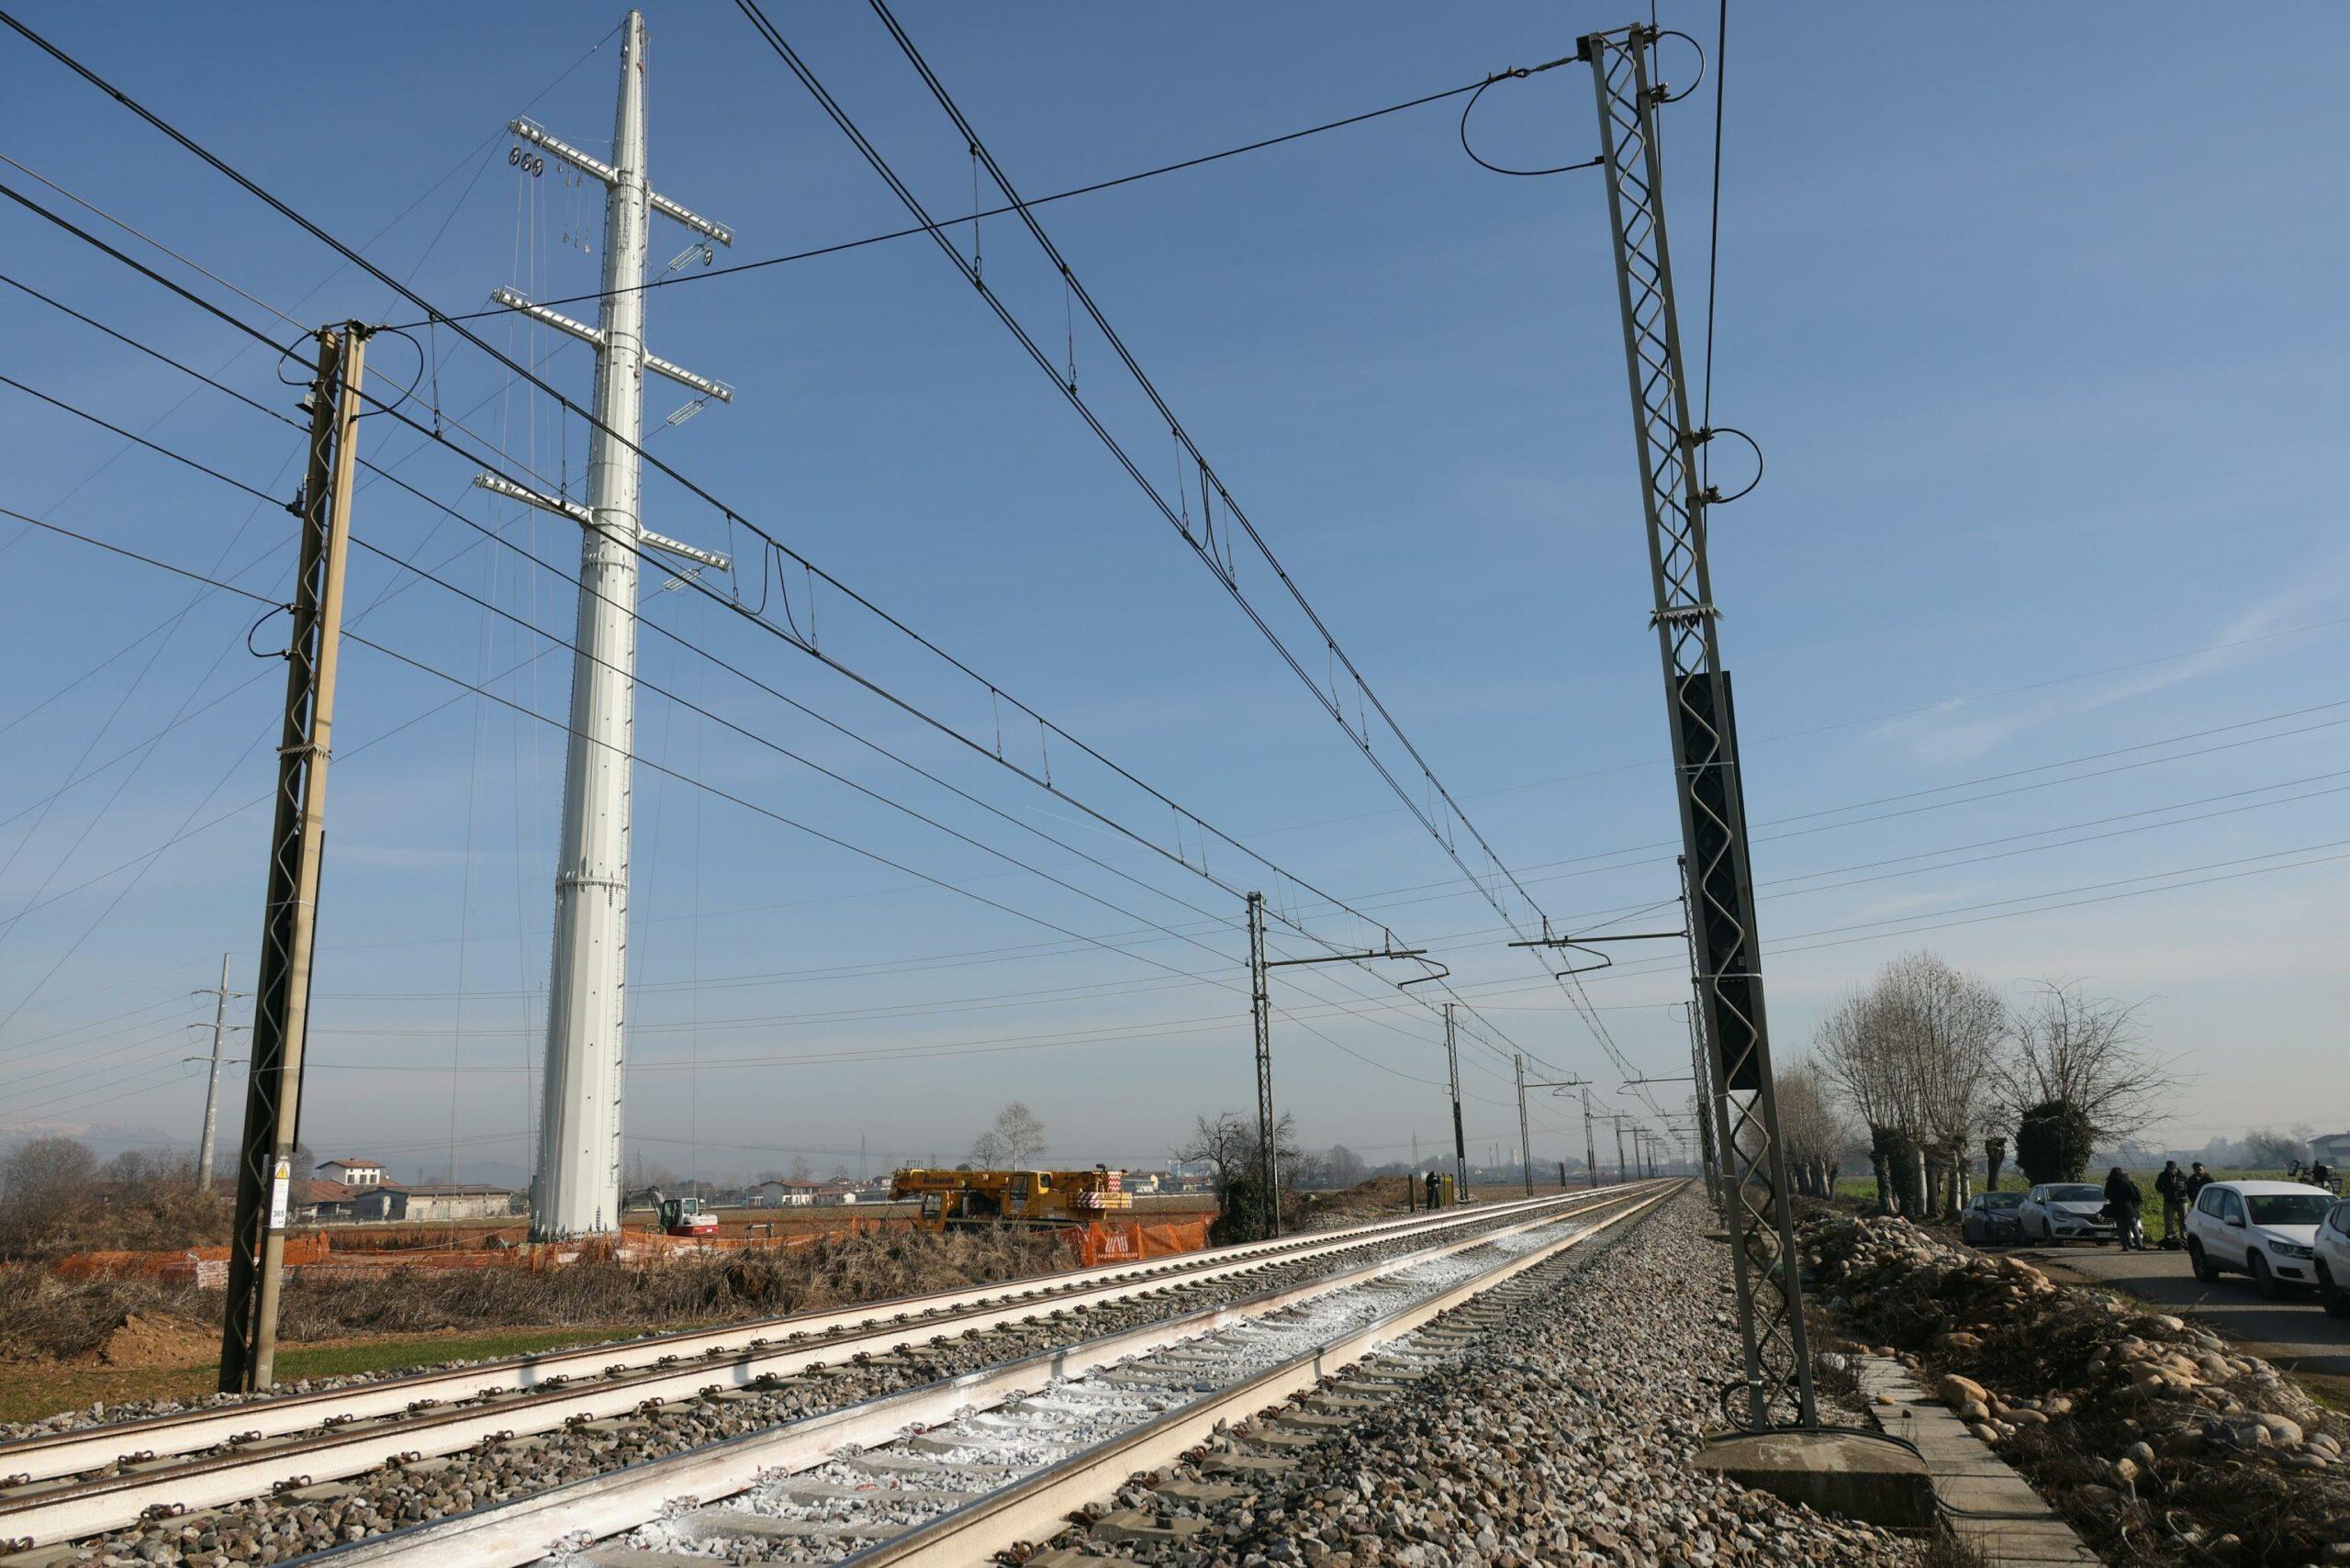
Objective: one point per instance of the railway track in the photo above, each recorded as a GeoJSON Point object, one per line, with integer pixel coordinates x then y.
{"type": "Point", "coordinates": [62, 1488]}
{"type": "Point", "coordinates": [956, 1471]}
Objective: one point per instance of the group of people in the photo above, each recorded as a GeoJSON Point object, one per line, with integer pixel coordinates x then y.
{"type": "Point", "coordinates": [2176, 1188]}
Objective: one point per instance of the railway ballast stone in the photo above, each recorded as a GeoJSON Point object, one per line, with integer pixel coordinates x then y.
{"type": "Point", "coordinates": [271, 1528]}
{"type": "Point", "coordinates": [1561, 1436]}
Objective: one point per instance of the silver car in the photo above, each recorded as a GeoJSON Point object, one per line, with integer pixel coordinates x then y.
{"type": "Point", "coordinates": [2065, 1211]}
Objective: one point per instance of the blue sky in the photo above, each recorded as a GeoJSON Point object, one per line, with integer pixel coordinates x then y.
{"type": "Point", "coordinates": [2036, 319]}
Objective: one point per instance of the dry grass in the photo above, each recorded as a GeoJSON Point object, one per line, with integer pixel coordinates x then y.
{"type": "Point", "coordinates": [141, 1217]}
{"type": "Point", "coordinates": [43, 1317]}
{"type": "Point", "coordinates": [1946, 1551]}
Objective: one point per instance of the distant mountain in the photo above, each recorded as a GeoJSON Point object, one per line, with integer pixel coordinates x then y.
{"type": "Point", "coordinates": [427, 1172]}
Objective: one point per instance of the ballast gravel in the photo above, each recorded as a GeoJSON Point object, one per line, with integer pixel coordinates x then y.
{"type": "Point", "coordinates": [273, 1529]}
{"type": "Point", "coordinates": [1561, 1438]}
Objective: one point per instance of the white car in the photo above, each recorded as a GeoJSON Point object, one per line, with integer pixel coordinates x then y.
{"type": "Point", "coordinates": [2334, 1259]}
{"type": "Point", "coordinates": [2065, 1210]}
{"type": "Point", "coordinates": [2266, 1229]}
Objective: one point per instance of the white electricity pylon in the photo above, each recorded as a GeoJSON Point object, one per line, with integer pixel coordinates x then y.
{"type": "Point", "coordinates": [578, 1192]}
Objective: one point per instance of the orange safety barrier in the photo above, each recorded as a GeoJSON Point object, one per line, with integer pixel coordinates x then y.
{"type": "Point", "coordinates": [1119, 1241]}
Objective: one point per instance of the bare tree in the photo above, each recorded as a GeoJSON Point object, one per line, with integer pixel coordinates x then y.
{"type": "Point", "coordinates": [2266, 1149]}
{"type": "Point", "coordinates": [1227, 1144]}
{"type": "Point", "coordinates": [989, 1151]}
{"type": "Point", "coordinates": [1856, 1060]}
{"type": "Point", "coordinates": [1023, 1132]}
{"type": "Point", "coordinates": [1949, 1025]}
{"type": "Point", "coordinates": [1811, 1126]}
{"type": "Point", "coordinates": [1912, 1054]}
{"type": "Point", "coordinates": [801, 1171]}
{"type": "Point", "coordinates": [2087, 1052]}
{"type": "Point", "coordinates": [1224, 1143]}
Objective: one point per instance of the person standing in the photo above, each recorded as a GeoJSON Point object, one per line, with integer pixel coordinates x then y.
{"type": "Point", "coordinates": [2125, 1201]}
{"type": "Point", "coordinates": [2172, 1185]}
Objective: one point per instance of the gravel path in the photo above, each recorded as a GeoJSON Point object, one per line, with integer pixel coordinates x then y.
{"type": "Point", "coordinates": [271, 1530]}
{"type": "Point", "coordinates": [1563, 1440]}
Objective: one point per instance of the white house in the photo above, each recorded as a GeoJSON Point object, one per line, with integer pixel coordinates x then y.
{"type": "Point", "coordinates": [351, 1172]}
{"type": "Point", "coordinates": [2332, 1148]}
{"type": "Point", "coordinates": [783, 1194]}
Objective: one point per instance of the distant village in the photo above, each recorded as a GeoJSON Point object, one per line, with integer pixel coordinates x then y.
{"type": "Point", "coordinates": [351, 1190]}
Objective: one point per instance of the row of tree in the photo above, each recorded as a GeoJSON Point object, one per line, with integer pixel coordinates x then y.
{"type": "Point", "coordinates": [56, 1196]}
{"type": "Point", "coordinates": [1926, 1065]}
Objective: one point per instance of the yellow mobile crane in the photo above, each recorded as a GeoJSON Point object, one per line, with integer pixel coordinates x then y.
{"type": "Point", "coordinates": [1013, 1197]}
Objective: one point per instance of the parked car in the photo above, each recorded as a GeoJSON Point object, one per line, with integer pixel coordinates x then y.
{"type": "Point", "coordinates": [2065, 1210]}
{"type": "Point", "coordinates": [1998, 1216]}
{"type": "Point", "coordinates": [2266, 1229]}
{"type": "Point", "coordinates": [2334, 1259]}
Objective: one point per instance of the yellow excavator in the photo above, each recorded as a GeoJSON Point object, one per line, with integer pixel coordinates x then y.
{"type": "Point", "coordinates": [953, 1199]}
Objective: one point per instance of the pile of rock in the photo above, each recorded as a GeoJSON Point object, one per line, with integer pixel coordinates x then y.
{"type": "Point", "coordinates": [2147, 1428]}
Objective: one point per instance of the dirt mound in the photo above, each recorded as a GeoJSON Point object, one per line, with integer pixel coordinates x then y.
{"type": "Point", "coordinates": [1379, 1196]}
{"type": "Point", "coordinates": [150, 1340]}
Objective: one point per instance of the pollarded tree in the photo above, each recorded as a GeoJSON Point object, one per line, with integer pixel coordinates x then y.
{"type": "Point", "coordinates": [1855, 1059]}
{"type": "Point", "coordinates": [2088, 1052]}
{"type": "Point", "coordinates": [1949, 1029]}
{"type": "Point", "coordinates": [1811, 1127]}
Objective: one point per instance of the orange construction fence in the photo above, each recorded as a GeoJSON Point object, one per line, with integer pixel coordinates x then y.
{"type": "Point", "coordinates": [1119, 1241]}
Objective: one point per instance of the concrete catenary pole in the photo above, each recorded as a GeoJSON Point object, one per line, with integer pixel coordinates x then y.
{"type": "Point", "coordinates": [1524, 1143]}
{"type": "Point", "coordinates": [1590, 1148]}
{"type": "Point", "coordinates": [1261, 1015]}
{"type": "Point", "coordinates": [297, 846]}
{"type": "Point", "coordinates": [1460, 1139]}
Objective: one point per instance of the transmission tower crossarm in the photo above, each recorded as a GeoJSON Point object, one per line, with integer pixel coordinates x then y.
{"type": "Point", "coordinates": [514, 300]}
{"type": "Point", "coordinates": [538, 136]}
{"type": "Point", "coordinates": [500, 485]}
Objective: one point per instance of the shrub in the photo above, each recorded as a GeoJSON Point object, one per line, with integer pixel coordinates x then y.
{"type": "Point", "coordinates": [2054, 1142]}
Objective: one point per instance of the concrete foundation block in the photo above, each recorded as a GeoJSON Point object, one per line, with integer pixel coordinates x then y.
{"type": "Point", "coordinates": [1833, 1472]}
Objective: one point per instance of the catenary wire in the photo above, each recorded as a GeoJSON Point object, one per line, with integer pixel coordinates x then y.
{"type": "Point", "coordinates": [694, 582]}
{"type": "Point", "coordinates": [848, 127]}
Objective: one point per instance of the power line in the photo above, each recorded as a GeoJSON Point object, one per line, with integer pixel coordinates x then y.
{"type": "Point", "coordinates": [746, 804]}
{"type": "Point", "coordinates": [1329, 701]}
{"type": "Point", "coordinates": [806, 643]}
{"type": "Point", "coordinates": [736, 268]}
{"type": "Point", "coordinates": [838, 777]}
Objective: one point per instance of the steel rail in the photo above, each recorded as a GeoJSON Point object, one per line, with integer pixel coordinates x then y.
{"type": "Point", "coordinates": [51, 1455]}
{"type": "Point", "coordinates": [527, 1530]}
{"type": "Point", "coordinates": [78, 1510]}
{"type": "Point", "coordinates": [1037, 1507]}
